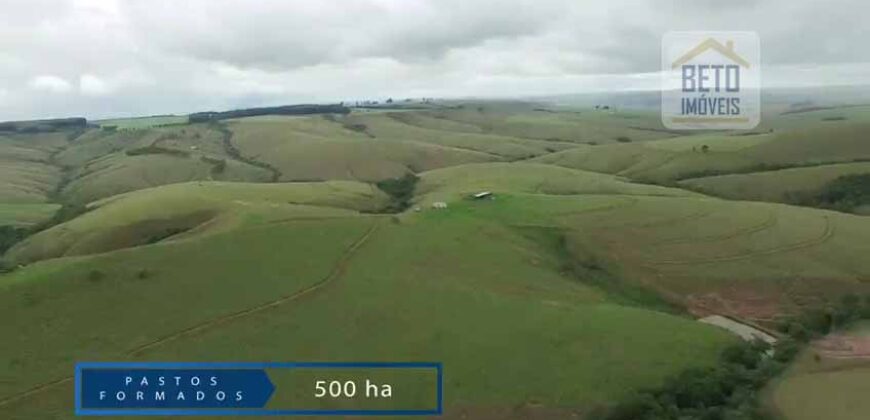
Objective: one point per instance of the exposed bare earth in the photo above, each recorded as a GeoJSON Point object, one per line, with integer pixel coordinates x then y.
{"type": "Point", "coordinates": [843, 346]}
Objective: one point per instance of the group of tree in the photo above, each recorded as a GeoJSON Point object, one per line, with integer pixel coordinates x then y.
{"type": "Point", "coordinates": [400, 190]}
{"type": "Point", "coordinates": [370, 103]}
{"type": "Point", "coordinates": [11, 235]}
{"type": "Point", "coordinates": [819, 321]}
{"type": "Point", "coordinates": [726, 391]}
{"type": "Point", "coordinates": [275, 110]}
{"type": "Point", "coordinates": [845, 193]}
{"type": "Point", "coordinates": [157, 150]}
{"type": "Point", "coordinates": [43, 126]}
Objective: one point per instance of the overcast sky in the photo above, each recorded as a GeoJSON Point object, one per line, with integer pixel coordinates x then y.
{"type": "Point", "coordinates": [100, 58]}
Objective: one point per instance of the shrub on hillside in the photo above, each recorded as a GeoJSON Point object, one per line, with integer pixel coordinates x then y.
{"type": "Point", "coordinates": [358, 127]}
{"type": "Point", "coordinates": [218, 166]}
{"type": "Point", "coordinates": [10, 235]}
{"type": "Point", "coordinates": [846, 192]}
{"type": "Point", "coordinates": [400, 191]}
{"type": "Point", "coordinates": [817, 322]}
{"type": "Point", "coordinates": [96, 276]}
{"type": "Point", "coordinates": [66, 212]}
{"type": "Point", "coordinates": [157, 150]}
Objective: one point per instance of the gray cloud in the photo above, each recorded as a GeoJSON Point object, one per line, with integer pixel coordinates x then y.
{"type": "Point", "coordinates": [123, 57]}
{"type": "Point", "coordinates": [286, 35]}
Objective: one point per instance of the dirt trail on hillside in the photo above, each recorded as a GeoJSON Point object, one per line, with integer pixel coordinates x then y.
{"type": "Point", "coordinates": [337, 271]}
{"type": "Point", "coordinates": [35, 390]}
{"type": "Point", "coordinates": [827, 233]}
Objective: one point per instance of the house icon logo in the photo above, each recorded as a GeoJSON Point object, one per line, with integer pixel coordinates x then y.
{"type": "Point", "coordinates": [726, 50]}
{"type": "Point", "coordinates": [710, 80]}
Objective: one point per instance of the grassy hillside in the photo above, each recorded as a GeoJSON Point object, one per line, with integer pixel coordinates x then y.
{"type": "Point", "coordinates": [26, 214]}
{"type": "Point", "coordinates": [785, 185]}
{"type": "Point", "coordinates": [314, 148]}
{"type": "Point", "coordinates": [671, 160]}
{"type": "Point", "coordinates": [152, 215]}
{"type": "Point", "coordinates": [452, 183]}
{"type": "Point", "coordinates": [751, 260]}
{"type": "Point", "coordinates": [754, 261]}
{"type": "Point", "coordinates": [143, 122]}
{"type": "Point", "coordinates": [119, 173]}
{"type": "Point", "coordinates": [454, 285]}
{"type": "Point", "coordinates": [27, 172]}
{"type": "Point", "coordinates": [532, 122]}
{"type": "Point", "coordinates": [411, 126]}
{"type": "Point", "coordinates": [102, 163]}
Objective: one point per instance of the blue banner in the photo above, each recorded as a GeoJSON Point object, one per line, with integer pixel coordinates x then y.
{"type": "Point", "coordinates": [245, 388]}
{"type": "Point", "coordinates": [174, 388]}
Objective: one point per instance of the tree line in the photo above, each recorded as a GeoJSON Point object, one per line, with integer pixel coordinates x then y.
{"type": "Point", "coordinates": [43, 126]}
{"type": "Point", "coordinates": [275, 110]}
{"type": "Point", "coordinates": [845, 193]}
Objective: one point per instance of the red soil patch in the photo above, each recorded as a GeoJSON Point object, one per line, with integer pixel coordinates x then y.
{"type": "Point", "coordinates": [746, 303]}
{"type": "Point", "coordinates": [766, 302]}
{"type": "Point", "coordinates": [841, 346]}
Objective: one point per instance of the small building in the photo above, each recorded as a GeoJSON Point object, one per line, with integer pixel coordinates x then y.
{"type": "Point", "coordinates": [439, 205]}
{"type": "Point", "coordinates": [482, 195]}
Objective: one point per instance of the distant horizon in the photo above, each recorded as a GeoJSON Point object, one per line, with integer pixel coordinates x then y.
{"type": "Point", "coordinates": [526, 98]}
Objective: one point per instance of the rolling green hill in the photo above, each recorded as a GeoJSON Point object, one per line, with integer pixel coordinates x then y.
{"type": "Point", "coordinates": [152, 215]}
{"type": "Point", "coordinates": [573, 286]}
{"type": "Point", "coordinates": [784, 185]}
{"type": "Point", "coordinates": [750, 260]}
{"type": "Point", "coordinates": [527, 121]}
{"type": "Point", "coordinates": [26, 214]}
{"type": "Point", "coordinates": [314, 148]}
{"type": "Point", "coordinates": [27, 173]}
{"type": "Point", "coordinates": [670, 160]}
{"type": "Point", "coordinates": [452, 286]}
